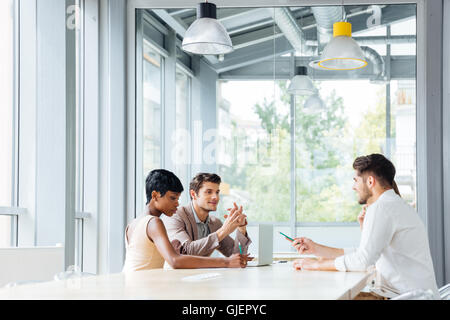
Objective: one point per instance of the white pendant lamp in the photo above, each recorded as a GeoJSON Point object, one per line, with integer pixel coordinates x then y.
{"type": "Point", "coordinates": [342, 52]}
{"type": "Point", "coordinates": [314, 104]}
{"type": "Point", "coordinates": [301, 84]}
{"type": "Point", "coordinates": [206, 35]}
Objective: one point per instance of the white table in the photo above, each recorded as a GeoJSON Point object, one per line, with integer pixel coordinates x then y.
{"type": "Point", "coordinates": [279, 281]}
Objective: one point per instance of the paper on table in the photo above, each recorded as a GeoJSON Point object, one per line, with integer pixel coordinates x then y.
{"type": "Point", "coordinates": [202, 277]}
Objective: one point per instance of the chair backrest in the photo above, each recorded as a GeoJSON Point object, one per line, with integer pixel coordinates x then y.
{"type": "Point", "coordinates": [72, 272]}
{"type": "Point", "coordinates": [416, 295]}
{"type": "Point", "coordinates": [444, 292]}
{"type": "Point", "coordinates": [32, 264]}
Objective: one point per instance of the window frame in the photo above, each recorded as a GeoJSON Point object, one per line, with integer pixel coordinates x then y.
{"type": "Point", "coordinates": [189, 74]}
{"type": "Point", "coordinates": [169, 66]}
{"type": "Point", "coordinates": [144, 17]}
{"type": "Point", "coordinates": [13, 210]}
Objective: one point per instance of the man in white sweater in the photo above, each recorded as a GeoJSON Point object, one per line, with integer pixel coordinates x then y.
{"type": "Point", "coordinates": [393, 237]}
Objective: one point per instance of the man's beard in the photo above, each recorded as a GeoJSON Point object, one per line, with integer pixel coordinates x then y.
{"type": "Point", "coordinates": [364, 196]}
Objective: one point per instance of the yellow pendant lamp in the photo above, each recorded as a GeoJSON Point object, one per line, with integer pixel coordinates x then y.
{"type": "Point", "coordinates": [342, 52]}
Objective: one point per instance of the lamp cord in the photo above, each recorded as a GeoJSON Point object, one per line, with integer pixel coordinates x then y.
{"type": "Point", "coordinates": [344, 17]}
{"type": "Point", "coordinates": [274, 13]}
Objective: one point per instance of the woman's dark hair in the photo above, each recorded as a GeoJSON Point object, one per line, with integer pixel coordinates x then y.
{"type": "Point", "coordinates": [379, 166]}
{"type": "Point", "coordinates": [197, 182]}
{"type": "Point", "coordinates": [161, 180]}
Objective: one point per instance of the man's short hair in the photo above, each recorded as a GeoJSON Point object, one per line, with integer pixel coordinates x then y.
{"type": "Point", "coordinates": [378, 165]}
{"type": "Point", "coordinates": [161, 181]}
{"type": "Point", "coordinates": [197, 182]}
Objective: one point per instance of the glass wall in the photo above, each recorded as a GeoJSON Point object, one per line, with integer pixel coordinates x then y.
{"type": "Point", "coordinates": [288, 159]}
{"type": "Point", "coordinates": [163, 104]}
{"type": "Point", "coordinates": [254, 149]}
{"type": "Point", "coordinates": [7, 118]}
{"type": "Point", "coordinates": [354, 114]}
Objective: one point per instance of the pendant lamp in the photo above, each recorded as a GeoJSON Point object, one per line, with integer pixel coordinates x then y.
{"type": "Point", "coordinates": [315, 64]}
{"type": "Point", "coordinates": [206, 35]}
{"type": "Point", "coordinates": [301, 84]}
{"type": "Point", "coordinates": [314, 104]}
{"type": "Point", "coordinates": [342, 52]}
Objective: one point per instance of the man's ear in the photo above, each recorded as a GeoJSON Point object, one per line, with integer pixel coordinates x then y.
{"type": "Point", "coordinates": [193, 195]}
{"type": "Point", "coordinates": [370, 181]}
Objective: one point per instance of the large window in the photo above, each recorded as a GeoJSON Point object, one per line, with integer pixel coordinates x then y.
{"type": "Point", "coordinates": [163, 104]}
{"type": "Point", "coordinates": [298, 174]}
{"type": "Point", "coordinates": [254, 144]}
{"type": "Point", "coordinates": [255, 147]}
{"type": "Point", "coordinates": [181, 155]}
{"type": "Point", "coordinates": [152, 103]}
{"type": "Point", "coordinates": [7, 121]}
{"type": "Point", "coordinates": [351, 125]}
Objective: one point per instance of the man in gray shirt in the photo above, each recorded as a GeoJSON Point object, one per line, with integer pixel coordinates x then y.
{"type": "Point", "coordinates": [200, 233]}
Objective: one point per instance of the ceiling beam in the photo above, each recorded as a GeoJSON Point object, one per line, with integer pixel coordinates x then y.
{"type": "Point", "coordinates": [402, 67]}
{"type": "Point", "coordinates": [254, 54]}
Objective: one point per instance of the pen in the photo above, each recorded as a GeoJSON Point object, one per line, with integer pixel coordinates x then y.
{"type": "Point", "coordinates": [289, 238]}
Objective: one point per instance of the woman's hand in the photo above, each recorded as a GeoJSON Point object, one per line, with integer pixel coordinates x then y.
{"type": "Point", "coordinates": [237, 260]}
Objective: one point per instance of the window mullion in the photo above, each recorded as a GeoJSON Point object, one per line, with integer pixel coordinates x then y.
{"type": "Point", "coordinates": [293, 163]}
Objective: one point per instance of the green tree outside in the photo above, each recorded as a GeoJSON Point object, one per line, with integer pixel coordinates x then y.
{"type": "Point", "coordinates": [323, 162]}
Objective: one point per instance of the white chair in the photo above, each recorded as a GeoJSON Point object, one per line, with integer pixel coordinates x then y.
{"type": "Point", "coordinates": [19, 283]}
{"type": "Point", "coordinates": [444, 292]}
{"type": "Point", "coordinates": [30, 265]}
{"type": "Point", "coordinates": [418, 294]}
{"type": "Point", "coordinates": [72, 272]}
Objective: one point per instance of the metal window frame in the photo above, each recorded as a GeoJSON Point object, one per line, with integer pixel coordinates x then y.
{"type": "Point", "coordinates": [16, 106]}
{"type": "Point", "coordinates": [189, 74]}
{"type": "Point", "coordinates": [79, 135]}
{"type": "Point", "coordinates": [138, 106]}
{"type": "Point", "coordinates": [446, 138]}
{"type": "Point", "coordinates": [14, 213]}
{"type": "Point", "coordinates": [80, 220]}
{"type": "Point", "coordinates": [83, 98]}
{"type": "Point", "coordinates": [72, 70]}
{"type": "Point", "coordinates": [16, 130]}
